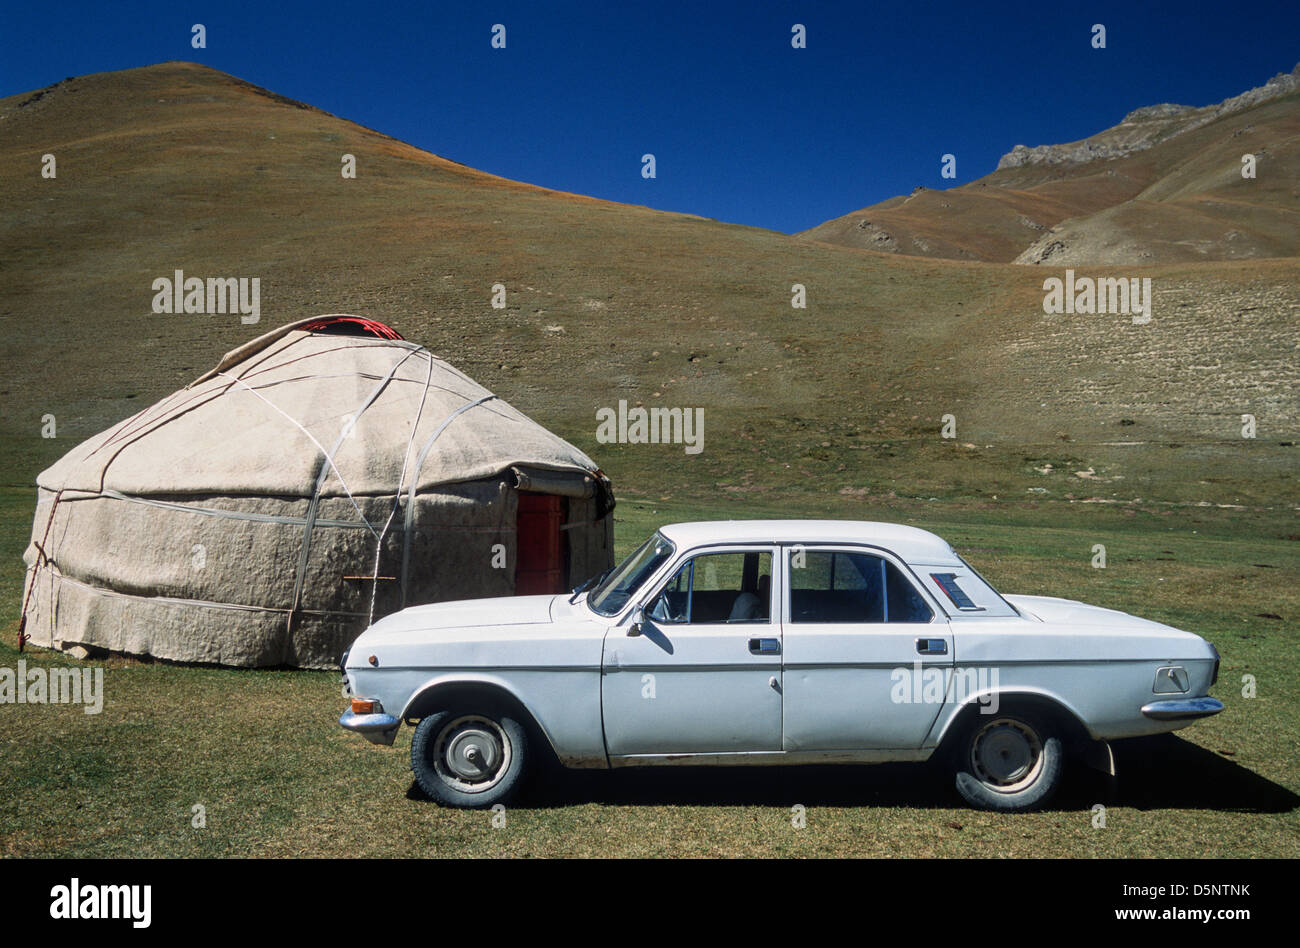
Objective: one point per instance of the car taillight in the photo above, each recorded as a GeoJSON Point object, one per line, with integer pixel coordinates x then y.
{"type": "Point", "coordinates": [365, 706]}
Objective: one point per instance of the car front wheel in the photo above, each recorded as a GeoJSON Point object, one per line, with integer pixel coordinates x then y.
{"type": "Point", "coordinates": [469, 758]}
{"type": "Point", "coordinates": [1008, 762]}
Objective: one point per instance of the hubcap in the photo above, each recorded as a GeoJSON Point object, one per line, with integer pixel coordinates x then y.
{"type": "Point", "coordinates": [471, 753]}
{"type": "Point", "coordinates": [1006, 755]}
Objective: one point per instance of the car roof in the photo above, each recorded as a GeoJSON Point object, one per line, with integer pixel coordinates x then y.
{"type": "Point", "coordinates": [913, 544]}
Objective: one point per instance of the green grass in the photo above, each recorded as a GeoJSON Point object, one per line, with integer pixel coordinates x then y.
{"type": "Point", "coordinates": [261, 752]}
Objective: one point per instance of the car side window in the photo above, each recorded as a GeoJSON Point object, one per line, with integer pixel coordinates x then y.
{"type": "Point", "coordinates": [832, 586]}
{"type": "Point", "coordinates": [905, 603]}
{"type": "Point", "coordinates": [716, 588]}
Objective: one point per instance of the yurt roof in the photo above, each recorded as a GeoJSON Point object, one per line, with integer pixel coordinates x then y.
{"type": "Point", "coordinates": [360, 414]}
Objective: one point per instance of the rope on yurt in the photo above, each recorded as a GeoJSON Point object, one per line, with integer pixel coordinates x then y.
{"type": "Point", "coordinates": [415, 480]}
{"type": "Point", "coordinates": [311, 438]}
{"type": "Point", "coordinates": [36, 569]}
{"type": "Point", "coordinates": [401, 481]}
{"type": "Point", "coordinates": [323, 475]}
{"type": "Point", "coordinates": [310, 519]}
{"type": "Point", "coordinates": [230, 514]}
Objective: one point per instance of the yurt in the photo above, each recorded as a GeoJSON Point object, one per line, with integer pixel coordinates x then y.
{"type": "Point", "coordinates": [321, 476]}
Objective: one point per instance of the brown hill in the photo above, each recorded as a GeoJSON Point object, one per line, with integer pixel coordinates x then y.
{"type": "Point", "coordinates": [177, 166]}
{"type": "Point", "coordinates": [1165, 185]}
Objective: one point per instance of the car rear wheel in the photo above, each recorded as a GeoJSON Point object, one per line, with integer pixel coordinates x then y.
{"type": "Point", "coordinates": [1008, 762]}
{"type": "Point", "coordinates": [469, 757]}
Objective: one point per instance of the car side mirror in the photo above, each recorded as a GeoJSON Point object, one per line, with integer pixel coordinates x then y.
{"type": "Point", "coordinates": [638, 618]}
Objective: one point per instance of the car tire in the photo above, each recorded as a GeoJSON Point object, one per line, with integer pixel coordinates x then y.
{"type": "Point", "coordinates": [469, 757]}
{"type": "Point", "coordinates": [1009, 762]}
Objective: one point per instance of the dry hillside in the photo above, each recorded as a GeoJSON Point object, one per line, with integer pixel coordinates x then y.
{"type": "Point", "coordinates": [177, 166]}
{"type": "Point", "coordinates": [1163, 186]}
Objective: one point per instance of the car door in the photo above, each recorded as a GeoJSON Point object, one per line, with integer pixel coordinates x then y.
{"type": "Point", "coordinates": [702, 674]}
{"type": "Point", "coordinates": [867, 654]}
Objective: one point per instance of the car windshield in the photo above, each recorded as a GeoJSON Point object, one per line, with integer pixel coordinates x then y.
{"type": "Point", "coordinates": [612, 594]}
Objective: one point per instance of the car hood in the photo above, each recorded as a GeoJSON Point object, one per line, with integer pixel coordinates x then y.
{"type": "Point", "coordinates": [468, 614]}
{"type": "Point", "coordinates": [506, 610]}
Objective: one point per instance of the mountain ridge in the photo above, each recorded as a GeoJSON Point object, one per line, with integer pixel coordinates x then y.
{"type": "Point", "coordinates": [1166, 118]}
{"type": "Point", "coordinates": [1163, 186]}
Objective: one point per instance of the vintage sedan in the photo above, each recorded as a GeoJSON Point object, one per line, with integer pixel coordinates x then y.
{"type": "Point", "coordinates": [773, 642]}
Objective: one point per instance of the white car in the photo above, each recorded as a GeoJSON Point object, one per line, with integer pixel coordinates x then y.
{"type": "Point", "coordinates": [773, 642]}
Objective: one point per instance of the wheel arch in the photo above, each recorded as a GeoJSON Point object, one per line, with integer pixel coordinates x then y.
{"type": "Point", "coordinates": [1073, 731]}
{"type": "Point", "coordinates": [445, 692]}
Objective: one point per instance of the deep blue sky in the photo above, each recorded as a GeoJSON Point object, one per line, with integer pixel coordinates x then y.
{"type": "Point", "coordinates": [744, 128]}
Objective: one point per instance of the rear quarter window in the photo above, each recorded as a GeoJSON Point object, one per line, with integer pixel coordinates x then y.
{"type": "Point", "coordinates": [961, 591]}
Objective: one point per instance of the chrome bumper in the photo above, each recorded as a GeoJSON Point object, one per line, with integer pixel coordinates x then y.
{"type": "Point", "coordinates": [376, 728]}
{"type": "Point", "coordinates": [1182, 709]}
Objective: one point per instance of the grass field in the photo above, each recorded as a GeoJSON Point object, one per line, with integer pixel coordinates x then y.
{"type": "Point", "coordinates": [261, 753]}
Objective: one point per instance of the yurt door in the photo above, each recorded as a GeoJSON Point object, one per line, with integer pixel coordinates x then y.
{"type": "Point", "coordinates": [539, 564]}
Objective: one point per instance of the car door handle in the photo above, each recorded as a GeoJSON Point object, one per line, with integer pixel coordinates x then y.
{"type": "Point", "coordinates": [932, 646]}
{"type": "Point", "coordinates": [765, 646]}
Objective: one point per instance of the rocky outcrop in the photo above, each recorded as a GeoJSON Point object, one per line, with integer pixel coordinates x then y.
{"type": "Point", "coordinates": [1142, 128]}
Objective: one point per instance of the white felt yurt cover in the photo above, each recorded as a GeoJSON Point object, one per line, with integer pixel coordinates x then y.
{"type": "Point", "coordinates": [312, 481]}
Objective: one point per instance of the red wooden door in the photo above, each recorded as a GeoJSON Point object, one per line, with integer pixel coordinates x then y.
{"type": "Point", "coordinates": [539, 563]}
